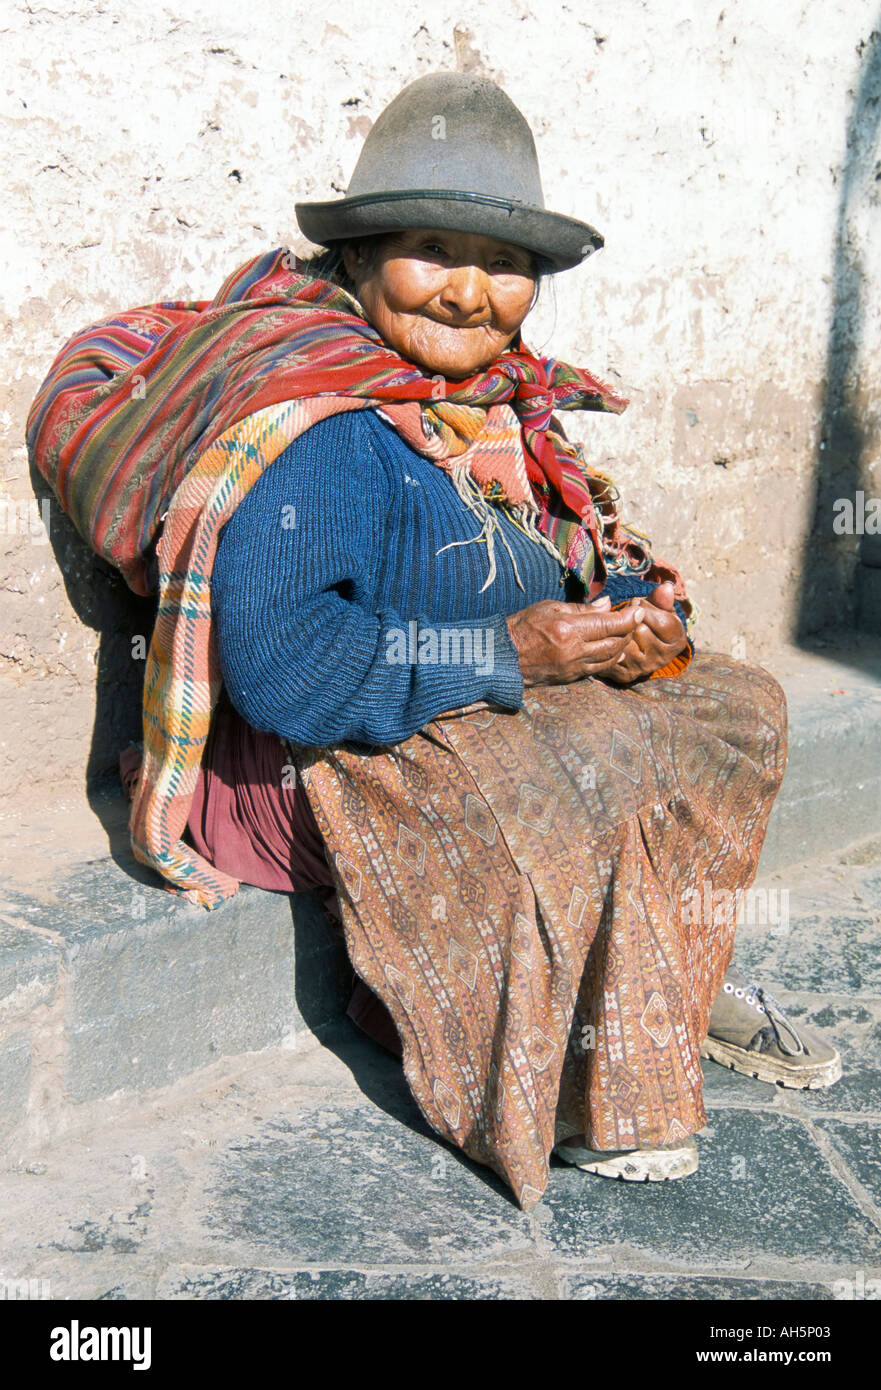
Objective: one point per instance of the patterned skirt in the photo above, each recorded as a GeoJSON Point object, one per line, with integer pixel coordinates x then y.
{"type": "Point", "coordinates": [535, 897]}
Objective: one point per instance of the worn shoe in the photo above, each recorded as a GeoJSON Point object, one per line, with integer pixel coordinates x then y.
{"type": "Point", "coordinates": [635, 1165]}
{"type": "Point", "coordinates": [750, 1033]}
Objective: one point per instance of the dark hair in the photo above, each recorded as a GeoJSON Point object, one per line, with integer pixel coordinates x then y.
{"type": "Point", "coordinates": [328, 263]}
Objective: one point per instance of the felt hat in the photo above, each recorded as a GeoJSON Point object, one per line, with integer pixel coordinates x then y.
{"type": "Point", "coordinates": [451, 152]}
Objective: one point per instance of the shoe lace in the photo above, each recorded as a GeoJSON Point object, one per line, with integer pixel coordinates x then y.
{"type": "Point", "coordinates": [768, 1004]}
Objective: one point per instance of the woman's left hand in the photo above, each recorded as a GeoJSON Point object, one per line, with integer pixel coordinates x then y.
{"type": "Point", "coordinates": [655, 641]}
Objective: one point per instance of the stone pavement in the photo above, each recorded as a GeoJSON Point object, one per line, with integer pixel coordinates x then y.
{"type": "Point", "coordinates": [307, 1172]}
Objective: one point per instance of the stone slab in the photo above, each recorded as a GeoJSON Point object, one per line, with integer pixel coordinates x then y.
{"type": "Point", "coordinates": [349, 1284]}
{"type": "Point", "coordinates": [855, 1028]}
{"type": "Point", "coordinates": [15, 1079]}
{"type": "Point", "coordinates": [826, 942]}
{"type": "Point", "coordinates": [352, 1185]}
{"type": "Point", "coordinates": [28, 964]}
{"type": "Point", "coordinates": [678, 1288]}
{"type": "Point", "coordinates": [860, 1147]}
{"type": "Point", "coordinates": [157, 987]}
{"type": "Point", "coordinates": [763, 1191]}
{"type": "Point", "coordinates": [29, 973]}
{"type": "Point", "coordinates": [846, 962]}
{"type": "Point", "coordinates": [831, 793]}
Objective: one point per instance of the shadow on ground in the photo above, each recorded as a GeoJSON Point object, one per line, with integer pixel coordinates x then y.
{"type": "Point", "coordinates": [323, 984]}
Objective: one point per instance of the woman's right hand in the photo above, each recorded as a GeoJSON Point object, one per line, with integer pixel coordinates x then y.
{"type": "Point", "coordinates": [561, 642]}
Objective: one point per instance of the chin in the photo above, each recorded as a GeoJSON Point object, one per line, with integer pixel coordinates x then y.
{"type": "Point", "coordinates": [455, 364]}
{"type": "Point", "coordinates": [457, 373]}
{"type": "Point", "coordinates": [454, 368]}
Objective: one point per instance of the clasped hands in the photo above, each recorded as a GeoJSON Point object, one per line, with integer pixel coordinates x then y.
{"type": "Point", "coordinates": [561, 642]}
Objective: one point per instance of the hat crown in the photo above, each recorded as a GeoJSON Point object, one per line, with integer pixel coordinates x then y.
{"type": "Point", "coordinates": [450, 130]}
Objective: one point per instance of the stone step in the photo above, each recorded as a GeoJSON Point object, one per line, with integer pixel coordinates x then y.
{"type": "Point", "coordinates": [110, 987]}
{"type": "Point", "coordinates": [831, 794]}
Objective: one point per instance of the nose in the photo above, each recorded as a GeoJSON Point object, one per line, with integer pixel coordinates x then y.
{"type": "Point", "coordinates": [465, 290]}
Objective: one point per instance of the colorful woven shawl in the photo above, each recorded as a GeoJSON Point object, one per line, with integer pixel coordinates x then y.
{"type": "Point", "coordinates": [162, 418]}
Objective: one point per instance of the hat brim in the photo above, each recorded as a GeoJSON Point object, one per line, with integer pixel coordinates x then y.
{"type": "Point", "coordinates": [564, 241]}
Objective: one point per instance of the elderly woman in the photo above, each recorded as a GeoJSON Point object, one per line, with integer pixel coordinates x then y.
{"type": "Point", "coordinates": [460, 699]}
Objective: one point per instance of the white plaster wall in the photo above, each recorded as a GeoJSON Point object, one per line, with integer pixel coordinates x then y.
{"type": "Point", "coordinates": [149, 149]}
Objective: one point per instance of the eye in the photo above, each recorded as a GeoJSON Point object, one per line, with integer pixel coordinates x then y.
{"type": "Point", "coordinates": [511, 262]}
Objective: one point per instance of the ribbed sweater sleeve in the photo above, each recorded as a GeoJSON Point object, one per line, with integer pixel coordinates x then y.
{"type": "Point", "coordinates": [305, 649]}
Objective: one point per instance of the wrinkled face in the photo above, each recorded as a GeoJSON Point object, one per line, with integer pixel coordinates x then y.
{"type": "Point", "coordinates": [449, 301]}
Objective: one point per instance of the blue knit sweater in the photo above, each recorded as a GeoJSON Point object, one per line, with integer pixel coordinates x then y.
{"type": "Point", "coordinates": [339, 615]}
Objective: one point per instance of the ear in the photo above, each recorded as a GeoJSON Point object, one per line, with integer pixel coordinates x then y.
{"type": "Point", "coordinates": [354, 260]}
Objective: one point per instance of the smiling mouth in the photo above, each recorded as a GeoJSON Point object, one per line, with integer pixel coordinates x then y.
{"type": "Point", "coordinates": [445, 323]}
